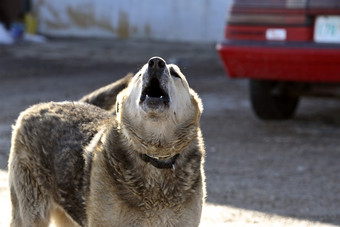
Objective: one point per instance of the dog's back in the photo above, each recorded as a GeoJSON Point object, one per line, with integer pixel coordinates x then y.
{"type": "Point", "coordinates": [46, 164]}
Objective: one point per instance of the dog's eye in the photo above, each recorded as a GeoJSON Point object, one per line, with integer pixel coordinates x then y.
{"type": "Point", "coordinates": [174, 73]}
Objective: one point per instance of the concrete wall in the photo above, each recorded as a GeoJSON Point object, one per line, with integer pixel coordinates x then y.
{"type": "Point", "coordinates": [180, 20]}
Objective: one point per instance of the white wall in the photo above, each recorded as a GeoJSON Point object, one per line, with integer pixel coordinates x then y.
{"type": "Point", "coordinates": [180, 20]}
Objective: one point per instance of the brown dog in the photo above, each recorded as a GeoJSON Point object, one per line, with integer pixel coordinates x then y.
{"type": "Point", "coordinates": [82, 165]}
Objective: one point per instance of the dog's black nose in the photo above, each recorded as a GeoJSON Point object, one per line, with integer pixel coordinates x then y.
{"type": "Point", "coordinates": [156, 66]}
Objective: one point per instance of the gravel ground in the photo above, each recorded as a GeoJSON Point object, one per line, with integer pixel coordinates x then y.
{"type": "Point", "coordinates": [258, 173]}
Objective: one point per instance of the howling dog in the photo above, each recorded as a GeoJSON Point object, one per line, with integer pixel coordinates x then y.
{"type": "Point", "coordinates": [81, 165]}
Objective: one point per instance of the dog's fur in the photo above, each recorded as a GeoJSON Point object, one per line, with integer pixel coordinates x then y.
{"type": "Point", "coordinates": [82, 165]}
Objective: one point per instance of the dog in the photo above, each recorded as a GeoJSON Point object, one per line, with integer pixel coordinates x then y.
{"type": "Point", "coordinates": [81, 165]}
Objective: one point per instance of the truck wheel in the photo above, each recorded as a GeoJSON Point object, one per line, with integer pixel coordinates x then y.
{"type": "Point", "coordinates": [271, 100]}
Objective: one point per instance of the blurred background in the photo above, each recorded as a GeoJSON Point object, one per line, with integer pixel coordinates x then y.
{"type": "Point", "coordinates": [120, 19]}
{"type": "Point", "coordinates": [266, 70]}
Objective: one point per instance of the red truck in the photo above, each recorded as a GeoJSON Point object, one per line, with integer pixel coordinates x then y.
{"type": "Point", "coordinates": [287, 48]}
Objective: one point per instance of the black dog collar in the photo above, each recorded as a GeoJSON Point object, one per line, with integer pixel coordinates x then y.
{"type": "Point", "coordinates": [160, 164]}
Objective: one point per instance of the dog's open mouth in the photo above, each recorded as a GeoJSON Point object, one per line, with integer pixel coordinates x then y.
{"type": "Point", "coordinates": [154, 95]}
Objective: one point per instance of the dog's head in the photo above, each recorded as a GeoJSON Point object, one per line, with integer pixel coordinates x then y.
{"type": "Point", "coordinates": [158, 111]}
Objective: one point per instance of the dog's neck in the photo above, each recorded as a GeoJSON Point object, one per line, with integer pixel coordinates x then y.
{"type": "Point", "coordinates": [153, 176]}
{"type": "Point", "coordinates": [162, 146]}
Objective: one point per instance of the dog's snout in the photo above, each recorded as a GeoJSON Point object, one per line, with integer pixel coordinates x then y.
{"type": "Point", "coordinates": [156, 63]}
{"type": "Point", "coordinates": [156, 66]}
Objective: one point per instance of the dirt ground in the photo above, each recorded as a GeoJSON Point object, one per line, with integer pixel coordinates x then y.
{"type": "Point", "coordinates": [258, 173]}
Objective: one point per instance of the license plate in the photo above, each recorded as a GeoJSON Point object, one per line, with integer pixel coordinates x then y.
{"type": "Point", "coordinates": [327, 29]}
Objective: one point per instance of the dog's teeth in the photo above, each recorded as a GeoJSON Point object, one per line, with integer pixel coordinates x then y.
{"type": "Point", "coordinates": [161, 96]}
{"type": "Point", "coordinates": [147, 96]}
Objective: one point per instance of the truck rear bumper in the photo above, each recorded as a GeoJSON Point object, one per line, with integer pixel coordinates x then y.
{"type": "Point", "coordinates": [305, 62]}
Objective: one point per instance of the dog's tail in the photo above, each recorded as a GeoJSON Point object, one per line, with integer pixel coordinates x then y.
{"type": "Point", "coordinates": [105, 97]}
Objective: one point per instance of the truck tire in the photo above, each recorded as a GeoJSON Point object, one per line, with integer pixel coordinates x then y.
{"type": "Point", "coordinates": [271, 100]}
